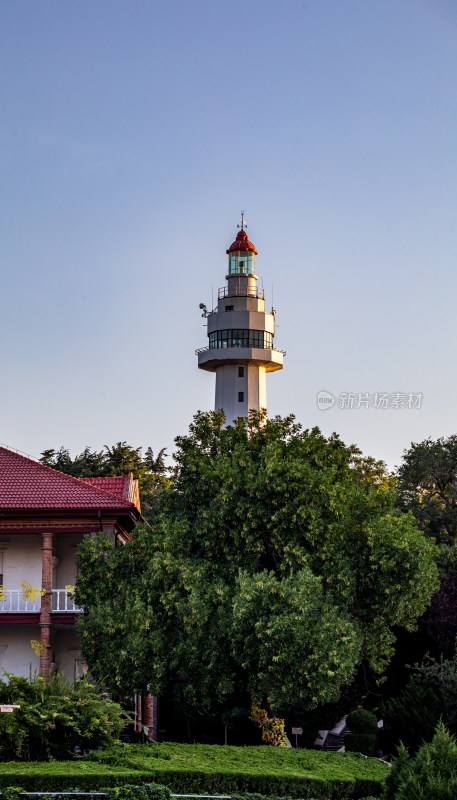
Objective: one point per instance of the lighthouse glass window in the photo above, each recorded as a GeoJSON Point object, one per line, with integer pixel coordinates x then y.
{"type": "Point", "coordinates": [240, 337]}
{"type": "Point", "coordinates": [241, 264]}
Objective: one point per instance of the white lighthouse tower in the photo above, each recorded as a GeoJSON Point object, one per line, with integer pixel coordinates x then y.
{"type": "Point", "coordinates": [241, 335]}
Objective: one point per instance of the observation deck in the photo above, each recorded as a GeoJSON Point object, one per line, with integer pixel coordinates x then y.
{"type": "Point", "coordinates": [210, 358]}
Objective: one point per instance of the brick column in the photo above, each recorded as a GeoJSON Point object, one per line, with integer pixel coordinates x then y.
{"type": "Point", "coordinates": [150, 716]}
{"type": "Point", "coordinates": [46, 603]}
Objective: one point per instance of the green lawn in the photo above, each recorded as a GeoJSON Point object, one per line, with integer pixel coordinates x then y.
{"type": "Point", "coordinates": [208, 769]}
{"type": "Point", "coordinates": [281, 762]}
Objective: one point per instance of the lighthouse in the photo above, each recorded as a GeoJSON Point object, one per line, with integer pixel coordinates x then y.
{"type": "Point", "coordinates": [241, 335]}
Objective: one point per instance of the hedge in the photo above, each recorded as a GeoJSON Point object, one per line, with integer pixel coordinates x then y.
{"type": "Point", "coordinates": [131, 793]}
{"type": "Point", "coordinates": [208, 769]}
{"type": "Point", "coordinates": [196, 783]}
{"type": "Point", "coordinates": [52, 781]}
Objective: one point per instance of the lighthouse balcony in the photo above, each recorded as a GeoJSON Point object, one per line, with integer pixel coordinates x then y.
{"type": "Point", "coordinates": [270, 358]}
{"type": "Point", "coordinates": [241, 291]}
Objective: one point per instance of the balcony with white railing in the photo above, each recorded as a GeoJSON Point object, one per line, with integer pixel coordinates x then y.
{"type": "Point", "coordinates": [62, 600]}
{"type": "Point", "coordinates": [12, 601]}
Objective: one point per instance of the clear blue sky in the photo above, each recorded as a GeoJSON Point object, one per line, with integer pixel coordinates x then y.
{"type": "Point", "coordinates": [132, 133]}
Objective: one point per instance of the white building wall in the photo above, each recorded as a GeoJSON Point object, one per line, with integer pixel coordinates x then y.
{"type": "Point", "coordinates": [18, 657]}
{"type": "Point", "coordinates": [22, 560]}
{"type": "Point", "coordinates": [66, 651]}
{"type": "Point", "coordinates": [64, 547]}
{"type": "Point", "coordinates": [228, 385]}
{"type": "Point", "coordinates": [21, 556]}
{"type": "Point", "coordinates": [257, 388]}
{"type": "Point", "coordinates": [16, 653]}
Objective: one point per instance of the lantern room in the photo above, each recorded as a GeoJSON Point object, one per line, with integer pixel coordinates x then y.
{"type": "Point", "coordinates": [241, 254]}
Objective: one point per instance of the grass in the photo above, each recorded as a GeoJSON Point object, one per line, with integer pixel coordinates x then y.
{"type": "Point", "coordinates": [279, 762]}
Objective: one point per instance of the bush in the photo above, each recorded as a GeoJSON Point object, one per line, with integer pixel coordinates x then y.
{"type": "Point", "coordinates": [441, 676]}
{"type": "Point", "coordinates": [363, 728]}
{"type": "Point", "coordinates": [148, 791]}
{"type": "Point", "coordinates": [413, 716]}
{"type": "Point", "coordinates": [430, 775]}
{"type": "Point", "coordinates": [54, 718]}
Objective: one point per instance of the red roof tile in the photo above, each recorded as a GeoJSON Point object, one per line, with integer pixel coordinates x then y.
{"type": "Point", "coordinates": [27, 484]}
{"type": "Point", "coordinates": [119, 487]}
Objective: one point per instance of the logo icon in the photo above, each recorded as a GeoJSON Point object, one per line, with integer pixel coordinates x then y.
{"type": "Point", "coordinates": [325, 400]}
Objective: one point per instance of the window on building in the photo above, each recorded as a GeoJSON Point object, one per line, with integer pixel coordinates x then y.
{"type": "Point", "coordinates": [241, 397]}
{"type": "Point", "coordinates": [237, 337]}
{"type": "Point", "coordinates": [241, 264]}
{"type": "Point", "coordinates": [229, 308]}
{"type": "Point", "coordinates": [1, 569]}
{"type": "Point", "coordinates": [241, 372]}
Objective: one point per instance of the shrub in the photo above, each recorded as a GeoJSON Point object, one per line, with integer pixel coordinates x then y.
{"type": "Point", "coordinates": [148, 791]}
{"type": "Point", "coordinates": [430, 775]}
{"type": "Point", "coordinates": [54, 718]}
{"type": "Point", "coordinates": [441, 676]}
{"type": "Point", "coordinates": [363, 732]}
{"type": "Point", "coordinates": [413, 716]}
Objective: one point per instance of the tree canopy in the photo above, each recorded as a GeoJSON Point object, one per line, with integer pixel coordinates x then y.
{"type": "Point", "coordinates": [278, 563]}
{"type": "Point", "coordinates": [120, 459]}
{"type": "Point", "coordinates": [427, 486]}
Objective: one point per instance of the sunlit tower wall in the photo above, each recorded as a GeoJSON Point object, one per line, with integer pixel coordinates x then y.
{"type": "Point", "coordinates": [241, 335]}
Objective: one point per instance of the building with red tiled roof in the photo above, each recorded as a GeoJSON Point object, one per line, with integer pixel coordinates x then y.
{"type": "Point", "coordinates": [121, 487]}
{"type": "Point", "coordinates": [44, 514]}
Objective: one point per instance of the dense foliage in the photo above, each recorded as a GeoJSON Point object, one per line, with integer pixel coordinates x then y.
{"type": "Point", "coordinates": [203, 769]}
{"type": "Point", "coordinates": [412, 716]}
{"type": "Point", "coordinates": [363, 727]}
{"type": "Point", "coordinates": [278, 564]}
{"type": "Point", "coordinates": [441, 676]}
{"type": "Point", "coordinates": [426, 482]}
{"type": "Point", "coordinates": [430, 775]}
{"type": "Point", "coordinates": [427, 486]}
{"type": "Point", "coordinates": [265, 770]}
{"type": "Point", "coordinates": [54, 718]}
{"type": "Point", "coordinates": [147, 791]}
{"type": "Point", "coordinates": [120, 459]}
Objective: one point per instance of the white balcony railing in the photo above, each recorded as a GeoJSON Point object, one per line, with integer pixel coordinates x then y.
{"type": "Point", "coordinates": [62, 600]}
{"type": "Point", "coordinates": [13, 602]}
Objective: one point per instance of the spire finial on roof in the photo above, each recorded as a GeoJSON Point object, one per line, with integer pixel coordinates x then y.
{"type": "Point", "coordinates": [242, 224]}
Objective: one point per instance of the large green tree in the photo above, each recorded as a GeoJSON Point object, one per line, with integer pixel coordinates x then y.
{"type": "Point", "coordinates": [278, 563]}
{"type": "Point", "coordinates": [427, 486]}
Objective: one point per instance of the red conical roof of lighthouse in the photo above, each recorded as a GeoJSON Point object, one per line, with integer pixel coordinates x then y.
{"type": "Point", "coordinates": [241, 243]}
